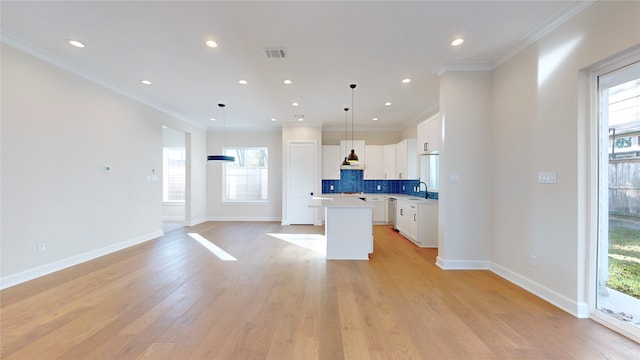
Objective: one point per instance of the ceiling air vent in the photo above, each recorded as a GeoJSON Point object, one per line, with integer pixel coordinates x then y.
{"type": "Point", "coordinates": [275, 53]}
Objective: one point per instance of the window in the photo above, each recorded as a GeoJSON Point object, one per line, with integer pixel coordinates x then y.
{"type": "Point", "coordinates": [434, 172]}
{"type": "Point", "coordinates": [430, 171]}
{"type": "Point", "coordinates": [173, 174]}
{"type": "Point", "coordinates": [245, 179]}
{"type": "Point", "coordinates": [624, 142]}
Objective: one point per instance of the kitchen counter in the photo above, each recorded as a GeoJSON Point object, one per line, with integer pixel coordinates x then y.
{"type": "Point", "coordinates": [338, 200]}
{"type": "Point", "coordinates": [395, 196]}
{"type": "Point", "coordinates": [412, 198]}
{"type": "Point", "coordinates": [348, 227]}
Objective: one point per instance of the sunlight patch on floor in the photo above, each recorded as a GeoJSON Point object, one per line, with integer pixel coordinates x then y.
{"type": "Point", "coordinates": [315, 242]}
{"type": "Point", "coordinates": [221, 254]}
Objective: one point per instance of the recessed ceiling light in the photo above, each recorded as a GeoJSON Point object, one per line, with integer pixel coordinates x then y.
{"type": "Point", "coordinates": [294, 104]}
{"type": "Point", "coordinates": [213, 119]}
{"type": "Point", "coordinates": [146, 82]}
{"type": "Point", "coordinates": [287, 82]}
{"type": "Point", "coordinates": [300, 119]}
{"type": "Point", "coordinates": [406, 81]}
{"type": "Point", "coordinates": [274, 119]}
{"type": "Point", "coordinates": [375, 119]}
{"type": "Point", "coordinates": [242, 82]}
{"type": "Point", "coordinates": [212, 44]}
{"type": "Point", "coordinates": [457, 42]}
{"type": "Point", "coordinates": [76, 43]}
{"type": "Point", "coordinates": [388, 103]}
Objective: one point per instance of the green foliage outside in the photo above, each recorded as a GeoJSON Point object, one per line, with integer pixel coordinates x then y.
{"type": "Point", "coordinates": [624, 261]}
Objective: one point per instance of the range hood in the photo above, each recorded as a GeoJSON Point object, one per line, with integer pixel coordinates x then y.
{"type": "Point", "coordinates": [352, 167]}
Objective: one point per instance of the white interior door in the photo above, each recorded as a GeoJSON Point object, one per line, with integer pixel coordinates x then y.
{"type": "Point", "coordinates": [301, 182]}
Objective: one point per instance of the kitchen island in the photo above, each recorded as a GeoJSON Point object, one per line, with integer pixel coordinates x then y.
{"type": "Point", "coordinates": [348, 227]}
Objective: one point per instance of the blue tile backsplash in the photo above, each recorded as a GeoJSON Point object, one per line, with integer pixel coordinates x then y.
{"type": "Point", "coordinates": [352, 181]}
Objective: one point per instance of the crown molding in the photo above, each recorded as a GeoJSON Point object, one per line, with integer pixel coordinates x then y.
{"type": "Point", "coordinates": [462, 67]}
{"type": "Point", "coordinates": [25, 47]}
{"type": "Point", "coordinates": [562, 16]}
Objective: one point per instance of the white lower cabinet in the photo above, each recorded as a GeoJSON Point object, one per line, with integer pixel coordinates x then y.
{"type": "Point", "coordinates": [380, 208]}
{"type": "Point", "coordinates": [418, 222]}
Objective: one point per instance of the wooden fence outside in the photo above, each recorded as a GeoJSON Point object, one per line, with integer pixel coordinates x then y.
{"type": "Point", "coordinates": [624, 187]}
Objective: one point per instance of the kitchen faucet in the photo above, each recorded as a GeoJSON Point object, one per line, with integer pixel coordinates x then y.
{"type": "Point", "coordinates": [426, 194]}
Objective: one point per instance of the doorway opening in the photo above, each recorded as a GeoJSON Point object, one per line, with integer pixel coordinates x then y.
{"type": "Point", "coordinates": [617, 298]}
{"type": "Point", "coordinates": [174, 158]}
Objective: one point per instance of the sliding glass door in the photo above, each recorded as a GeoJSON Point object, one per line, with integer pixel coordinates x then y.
{"type": "Point", "coordinates": [618, 248]}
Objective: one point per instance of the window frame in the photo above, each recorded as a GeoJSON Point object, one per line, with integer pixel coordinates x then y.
{"type": "Point", "coordinates": [223, 195]}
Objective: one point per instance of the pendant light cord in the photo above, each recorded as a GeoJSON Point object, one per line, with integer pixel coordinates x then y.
{"type": "Point", "coordinates": [353, 89]}
{"type": "Point", "coordinates": [224, 125]}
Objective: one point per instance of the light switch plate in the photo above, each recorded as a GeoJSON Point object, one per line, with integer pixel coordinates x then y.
{"type": "Point", "coordinates": [547, 177]}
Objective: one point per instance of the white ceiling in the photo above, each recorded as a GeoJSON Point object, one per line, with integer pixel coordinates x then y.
{"type": "Point", "coordinates": [329, 44]}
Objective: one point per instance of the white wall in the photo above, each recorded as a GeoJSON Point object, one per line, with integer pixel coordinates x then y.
{"type": "Point", "coordinates": [465, 171]}
{"type": "Point", "coordinates": [537, 127]}
{"type": "Point", "coordinates": [58, 131]}
{"type": "Point", "coordinates": [272, 209]}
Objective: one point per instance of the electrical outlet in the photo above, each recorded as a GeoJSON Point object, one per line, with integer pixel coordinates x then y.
{"type": "Point", "coordinates": [379, 187]}
{"type": "Point", "coordinates": [42, 247]}
{"type": "Point", "coordinates": [533, 261]}
{"type": "Point", "coordinates": [330, 187]}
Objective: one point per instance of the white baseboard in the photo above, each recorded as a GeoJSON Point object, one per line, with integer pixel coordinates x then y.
{"type": "Point", "coordinates": [24, 276]}
{"type": "Point", "coordinates": [195, 222]}
{"type": "Point", "coordinates": [240, 218]}
{"type": "Point", "coordinates": [462, 264]}
{"type": "Point", "coordinates": [579, 310]}
{"type": "Point", "coordinates": [173, 218]}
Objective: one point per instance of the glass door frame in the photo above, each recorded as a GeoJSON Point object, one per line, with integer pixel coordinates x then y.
{"type": "Point", "coordinates": [596, 192]}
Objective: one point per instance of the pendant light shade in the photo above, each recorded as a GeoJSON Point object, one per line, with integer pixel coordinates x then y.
{"type": "Point", "coordinates": [352, 158]}
{"type": "Point", "coordinates": [222, 157]}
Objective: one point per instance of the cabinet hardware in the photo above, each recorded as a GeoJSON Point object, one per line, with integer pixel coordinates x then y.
{"type": "Point", "coordinates": [426, 146]}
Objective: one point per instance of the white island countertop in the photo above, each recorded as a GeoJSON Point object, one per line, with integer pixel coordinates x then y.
{"type": "Point", "coordinates": [338, 201]}
{"type": "Point", "coordinates": [348, 227]}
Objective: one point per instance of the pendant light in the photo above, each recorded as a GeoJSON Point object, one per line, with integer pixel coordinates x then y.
{"type": "Point", "coordinates": [352, 156]}
{"type": "Point", "coordinates": [346, 135]}
{"type": "Point", "coordinates": [222, 157]}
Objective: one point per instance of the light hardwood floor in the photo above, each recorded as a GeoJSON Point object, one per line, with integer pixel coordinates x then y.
{"type": "Point", "coordinates": [172, 299]}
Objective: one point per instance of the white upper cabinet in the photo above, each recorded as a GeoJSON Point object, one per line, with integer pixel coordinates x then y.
{"type": "Point", "coordinates": [406, 160]}
{"type": "Point", "coordinates": [358, 146]}
{"type": "Point", "coordinates": [388, 161]}
{"type": "Point", "coordinates": [373, 166]}
{"type": "Point", "coordinates": [429, 133]}
{"type": "Point", "coordinates": [422, 141]}
{"type": "Point", "coordinates": [331, 160]}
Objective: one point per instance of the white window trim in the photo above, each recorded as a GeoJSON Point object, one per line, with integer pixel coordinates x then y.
{"type": "Point", "coordinates": [223, 199]}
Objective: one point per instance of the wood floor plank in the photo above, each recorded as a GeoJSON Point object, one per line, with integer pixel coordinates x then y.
{"type": "Point", "coordinates": [172, 299]}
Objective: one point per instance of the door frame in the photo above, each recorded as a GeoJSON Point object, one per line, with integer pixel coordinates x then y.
{"type": "Point", "coordinates": [592, 196]}
{"type": "Point", "coordinates": [314, 143]}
